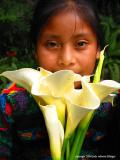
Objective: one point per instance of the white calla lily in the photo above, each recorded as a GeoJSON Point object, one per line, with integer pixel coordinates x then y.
{"type": "Point", "coordinates": [57, 84]}
{"type": "Point", "coordinates": [55, 130]}
{"type": "Point", "coordinates": [25, 77]}
{"type": "Point", "coordinates": [78, 106]}
{"type": "Point", "coordinates": [104, 88]}
{"type": "Point", "coordinates": [61, 82]}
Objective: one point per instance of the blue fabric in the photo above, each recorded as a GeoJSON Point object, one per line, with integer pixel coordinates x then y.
{"type": "Point", "coordinates": [3, 102]}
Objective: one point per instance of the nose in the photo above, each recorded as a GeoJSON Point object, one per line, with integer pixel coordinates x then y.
{"type": "Point", "coordinates": [67, 56]}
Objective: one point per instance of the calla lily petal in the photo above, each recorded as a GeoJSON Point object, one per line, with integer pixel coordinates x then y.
{"type": "Point", "coordinates": [92, 100]}
{"type": "Point", "coordinates": [109, 98]}
{"type": "Point", "coordinates": [58, 102]}
{"type": "Point", "coordinates": [44, 73]}
{"type": "Point", "coordinates": [61, 82]}
{"type": "Point", "coordinates": [75, 115]}
{"type": "Point", "coordinates": [104, 88]}
{"type": "Point", "coordinates": [40, 88]}
{"type": "Point", "coordinates": [24, 77]}
{"type": "Point", "coordinates": [78, 106]}
{"type": "Point", "coordinates": [55, 130]}
{"type": "Point", "coordinates": [56, 84]}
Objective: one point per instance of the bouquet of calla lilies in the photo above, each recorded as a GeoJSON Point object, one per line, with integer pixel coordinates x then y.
{"type": "Point", "coordinates": [67, 111]}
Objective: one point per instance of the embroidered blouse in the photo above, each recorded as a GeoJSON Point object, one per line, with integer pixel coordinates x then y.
{"type": "Point", "coordinates": [23, 134]}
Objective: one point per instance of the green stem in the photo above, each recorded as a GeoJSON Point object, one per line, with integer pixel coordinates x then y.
{"type": "Point", "coordinates": [64, 149]}
{"type": "Point", "coordinates": [80, 135]}
{"type": "Point", "coordinates": [83, 131]}
{"type": "Point", "coordinates": [99, 67]}
{"type": "Point", "coordinates": [72, 138]}
{"type": "Point", "coordinates": [67, 150]}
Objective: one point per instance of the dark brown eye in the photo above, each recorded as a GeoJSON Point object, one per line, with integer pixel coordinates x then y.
{"type": "Point", "coordinates": [81, 44]}
{"type": "Point", "coordinates": [52, 44]}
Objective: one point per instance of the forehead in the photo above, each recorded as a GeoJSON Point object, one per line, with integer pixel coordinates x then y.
{"type": "Point", "coordinates": [67, 23]}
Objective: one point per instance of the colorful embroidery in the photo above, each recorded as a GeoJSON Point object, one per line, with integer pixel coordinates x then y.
{"type": "Point", "coordinates": [12, 89]}
{"type": "Point", "coordinates": [103, 110]}
{"type": "Point", "coordinates": [17, 104]}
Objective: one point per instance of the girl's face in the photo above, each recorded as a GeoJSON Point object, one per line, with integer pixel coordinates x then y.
{"type": "Point", "coordinates": [67, 42]}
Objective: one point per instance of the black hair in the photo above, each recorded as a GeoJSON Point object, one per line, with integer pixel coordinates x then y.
{"type": "Point", "coordinates": [45, 9]}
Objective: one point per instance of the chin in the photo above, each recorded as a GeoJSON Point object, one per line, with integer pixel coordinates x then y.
{"type": "Point", "coordinates": [77, 85]}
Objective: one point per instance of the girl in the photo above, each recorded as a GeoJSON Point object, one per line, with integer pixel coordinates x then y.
{"type": "Point", "coordinates": [66, 35]}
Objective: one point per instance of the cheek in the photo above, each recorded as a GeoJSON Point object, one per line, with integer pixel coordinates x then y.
{"type": "Point", "coordinates": [87, 64]}
{"type": "Point", "coordinates": [46, 60]}
{"type": "Point", "coordinates": [90, 67]}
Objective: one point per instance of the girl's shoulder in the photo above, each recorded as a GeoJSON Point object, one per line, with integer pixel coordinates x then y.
{"type": "Point", "coordinates": [104, 130]}
{"type": "Point", "coordinates": [107, 111]}
{"type": "Point", "coordinates": [107, 108]}
{"type": "Point", "coordinates": [21, 119]}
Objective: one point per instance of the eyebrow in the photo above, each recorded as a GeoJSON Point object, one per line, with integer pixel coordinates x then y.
{"type": "Point", "coordinates": [82, 34]}
{"type": "Point", "coordinates": [72, 35]}
{"type": "Point", "coordinates": [47, 36]}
